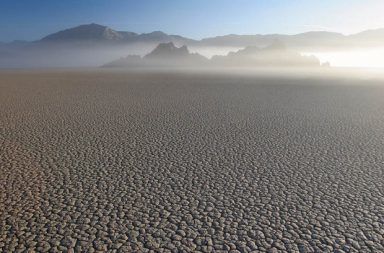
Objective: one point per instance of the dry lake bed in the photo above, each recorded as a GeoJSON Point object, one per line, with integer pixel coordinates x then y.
{"type": "Point", "coordinates": [101, 161]}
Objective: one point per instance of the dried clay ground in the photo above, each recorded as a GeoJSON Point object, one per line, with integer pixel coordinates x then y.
{"type": "Point", "coordinates": [158, 162]}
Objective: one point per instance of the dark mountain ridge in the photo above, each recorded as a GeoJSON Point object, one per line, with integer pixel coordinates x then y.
{"type": "Point", "coordinates": [87, 32]}
{"type": "Point", "coordinates": [165, 54]}
{"type": "Point", "coordinates": [99, 33]}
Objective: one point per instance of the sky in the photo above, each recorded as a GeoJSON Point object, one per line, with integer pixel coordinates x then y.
{"type": "Point", "coordinates": [33, 19]}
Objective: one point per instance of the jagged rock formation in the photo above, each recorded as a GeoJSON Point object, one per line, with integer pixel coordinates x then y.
{"type": "Point", "coordinates": [165, 54]}
{"type": "Point", "coordinates": [275, 55]}
{"type": "Point", "coordinates": [169, 52]}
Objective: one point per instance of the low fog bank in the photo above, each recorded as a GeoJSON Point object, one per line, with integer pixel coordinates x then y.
{"type": "Point", "coordinates": [50, 55]}
{"type": "Point", "coordinates": [273, 61]}
{"type": "Point", "coordinates": [85, 55]}
{"type": "Point", "coordinates": [298, 75]}
{"type": "Point", "coordinates": [352, 57]}
{"type": "Point", "coordinates": [347, 74]}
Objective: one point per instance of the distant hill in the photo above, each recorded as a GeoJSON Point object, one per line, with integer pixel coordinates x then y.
{"type": "Point", "coordinates": [274, 55]}
{"type": "Point", "coordinates": [368, 38]}
{"type": "Point", "coordinates": [303, 40]}
{"type": "Point", "coordinates": [93, 32]}
{"type": "Point", "coordinates": [168, 51]}
{"type": "Point", "coordinates": [165, 54]}
{"type": "Point", "coordinates": [370, 34]}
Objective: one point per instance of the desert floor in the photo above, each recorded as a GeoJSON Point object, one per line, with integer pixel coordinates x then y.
{"type": "Point", "coordinates": [99, 161]}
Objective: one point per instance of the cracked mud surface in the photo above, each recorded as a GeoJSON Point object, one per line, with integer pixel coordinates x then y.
{"type": "Point", "coordinates": [114, 162]}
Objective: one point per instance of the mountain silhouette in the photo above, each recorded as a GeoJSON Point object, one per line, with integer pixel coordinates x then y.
{"type": "Point", "coordinates": [88, 32]}
{"type": "Point", "coordinates": [165, 54]}
{"type": "Point", "coordinates": [168, 51]}
{"type": "Point", "coordinates": [274, 55]}
{"type": "Point", "coordinates": [99, 33]}
{"type": "Point", "coordinates": [315, 39]}
{"type": "Point", "coordinates": [302, 40]}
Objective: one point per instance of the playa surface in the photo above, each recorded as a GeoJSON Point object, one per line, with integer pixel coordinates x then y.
{"type": "Point", "coordinates": [133, 162]}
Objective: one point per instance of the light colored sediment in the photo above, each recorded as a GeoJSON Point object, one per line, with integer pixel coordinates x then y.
{"type": "Point", "coordinates": [101, 161]}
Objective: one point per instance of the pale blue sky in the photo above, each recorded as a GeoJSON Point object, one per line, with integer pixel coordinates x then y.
{"type": "Point", "coordinates": [32, 19]}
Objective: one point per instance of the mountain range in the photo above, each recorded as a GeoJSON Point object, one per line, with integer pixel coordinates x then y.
{"type": "Point", "coordinates": [99, 33]}
{"type": "Point", "coordinates": [93, 44]}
